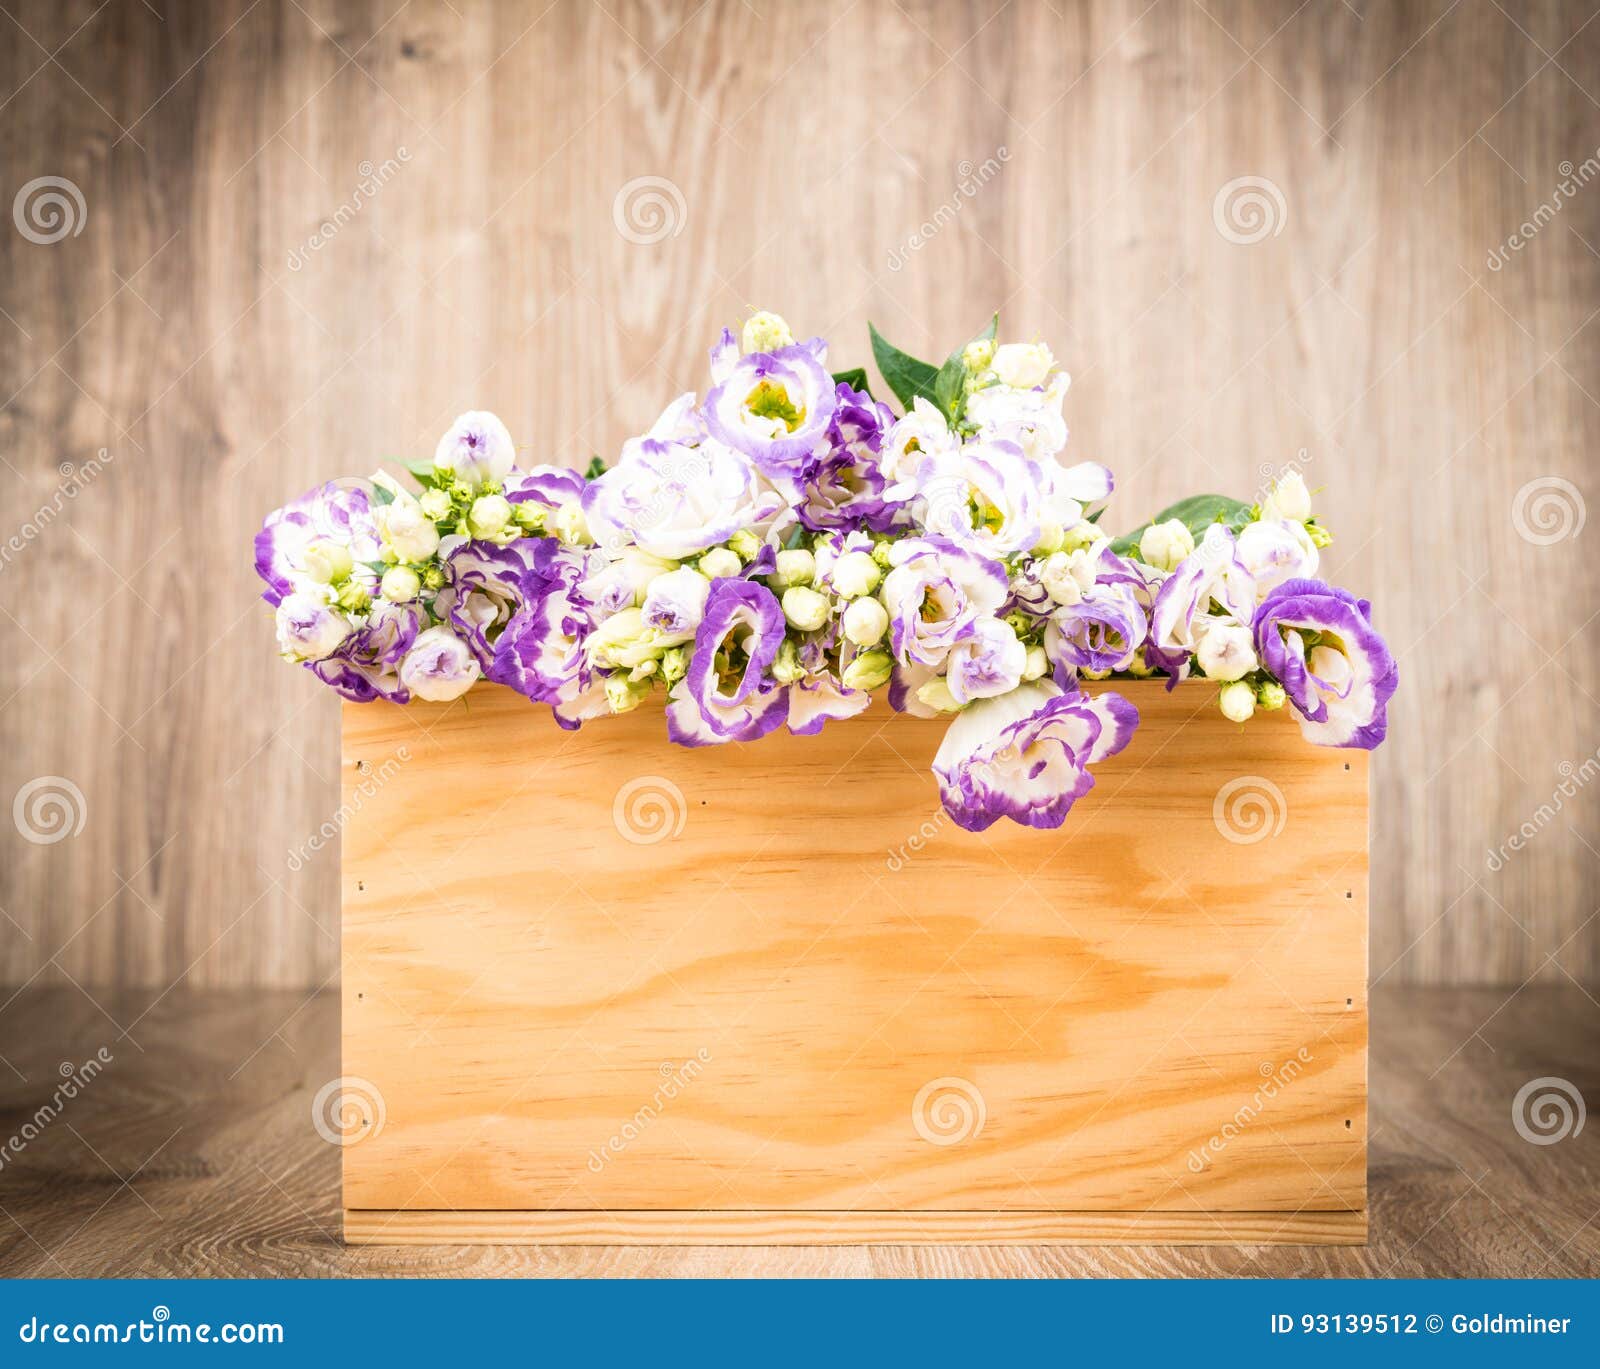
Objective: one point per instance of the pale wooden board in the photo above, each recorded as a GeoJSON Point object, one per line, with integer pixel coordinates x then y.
{"type": "Point", "coordinates": [519, 979]}
{"type": "Point", "coordinates": [1367, 341]}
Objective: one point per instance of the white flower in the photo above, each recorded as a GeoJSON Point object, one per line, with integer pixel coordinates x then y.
{"type": "Point", "coordinates": [805, 608]}
{"type": "Point", "coordinates": [795, 567]}
{"type": "Point", "coordinates": [978, 355]}
{"type": "Point", "coordinates": [625, 640]}
{"type": "Point", "coordinates": [985, 496]}
{"type": "Point", "coordinates": [308, 629]}
{"type": "Point", "coordinates": [478, 449]}
{"type": "Point", "coordinates": [407, 530]}
{"type": "Point", "coordinates": [765, 332]}
{"type": "Point", "coordinates": [854, 574]}
{"type": "Point", "coordinates": [1038, 665]}
{"type": "Point", "coordinates": [571, 527]}
{"type": "Point", "coordinates": [1237, 701]}
{"type": "Point", "coordinates": [1289, 499]}
{"type": "Point", "coordinates": [1022, 365]}
{"type": "Point", "coordinates": [720, 563]}
{"type": "Point", "coordinates": [1068, 575]}
{"type": "Point", "coordinates": [327, 561]}
{"type": "Point", "coordinates": [400, 585]}
{"type": "Point", "coordinates": [1226, 649]}
{"type": "Point", "coordinates": [489, 517]}
{"type": "Point", "coordinates": [1276, 550]}
{"type": "Point", "coordinates": [1164, 545]}
{"type": "Point", "coordinates": [921, 434]}
{"type": "Point", "coordinates": [1030, 418]}
{"type": "Point", "coordinates": [865, 622]}
{"type": "Point", "coordinates": [439, 667]}
{"type": "Point", "coordinates": [675, 603]}
{"type": "Point", "coordinates": [988, 663]}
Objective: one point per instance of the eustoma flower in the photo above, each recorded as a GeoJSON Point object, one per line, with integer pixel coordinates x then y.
{"type": "Point", "coordinates": [728, 694]}
{"type": "Point", "coordinates": [775, 407]}
{"type": "Point", "coordinates": [1026, 755]}
{"type": "Point", "coordinates": [1320, 644]}
{"type": "Point", "coordinates": [935, 594]}
{"type": "Point", "coordinates": [339, 512]}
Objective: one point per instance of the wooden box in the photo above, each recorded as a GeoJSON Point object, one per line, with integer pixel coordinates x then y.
{"type": "Point", "coordinates": [598, 988]}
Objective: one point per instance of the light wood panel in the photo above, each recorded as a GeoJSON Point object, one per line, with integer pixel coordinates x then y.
{"type": "Point", "coordinates": [1367, 341]}
{"type": "Point", "coordinates": [598, 971]}
{"type": "Point", "coordinates": [212, 1122]}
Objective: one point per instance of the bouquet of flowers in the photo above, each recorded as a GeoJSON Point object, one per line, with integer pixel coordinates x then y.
{"type": "Point", "coordinates": [774, 554]}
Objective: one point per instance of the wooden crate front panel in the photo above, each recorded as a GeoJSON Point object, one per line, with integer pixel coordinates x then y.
{"type": "Point", "coordinates": [757, 1011]}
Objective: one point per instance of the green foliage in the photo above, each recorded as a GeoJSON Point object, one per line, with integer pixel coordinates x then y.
{"type": "Point", "coordinates": [595, 469]}
{"type": "Point", "coordinates": [855, 378]}
{"type": "Point", "coordinates": [908, 377]}
{"type": "Point", "coordinates": [1197, 513]}
{"type": "Point", "coordinates": [950, 385]}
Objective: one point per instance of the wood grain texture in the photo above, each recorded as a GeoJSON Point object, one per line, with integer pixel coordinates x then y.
{"type": "Point", "coordinates": [599, 971]}
{"type": "Point", "coordinates": [209, 1118]}
{"type": "Point", "coordinates": [225, 364]}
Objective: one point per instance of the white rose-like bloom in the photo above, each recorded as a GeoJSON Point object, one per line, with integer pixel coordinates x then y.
{"type": "Point", "coordinates": [1164, 545]}
{"type": "Point", "coordinates": [1226, 650]}
{"type": "Point", "coordinates": [805, 608]}
{"type": "Point", "coordinates": [676, 602]}
{"type": "Point", "coordinates": [854, 574]}
{"type": "Point", "coordinates": [1276, 550]}
{"type": "Point", "coordinates": [1030, 418]}
{"type": "Point", "coordinates": [865, 622]}
{"type": "Point", "coordinates": [1289, 499]}
{"type": "Point", "coordinates": [1068, 575]}
{"type": "Point", "coordinates": [720, 563]}
{"type": "Point", "coordinates": [920, 435]}
{"type": "Point", "coordinates": [478, 449]}
{"type": "Point", "coordinates": [1022, 365]}
{"type": "Point", "coordinates": [439, 667]}
{"type": "Point", "coordinates": [407, 530]}
{"type": "Point", "coordinates": [625, 640]}
{"type": "Point", "coordinates": [795, 567]}
{"type": "Point", "coordinates": [400, 584]}
{"type": "Point", "coordinates": [489, 516]}
{"type": "Point", "coordinates": [308, 629]}
{"type": "Point", "coordinates": [327, 561]}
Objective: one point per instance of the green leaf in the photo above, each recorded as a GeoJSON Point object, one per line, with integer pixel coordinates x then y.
{"type": "Point", "coordinates": [909, 378]}
{"type": "Point", "coordinates": [380, 495]}
{"type": "Point", "coordinates": [1197, 513]}
{"type": "Point", "coordinates": [855, 378]}
{"type": "Point", "coordinates": [949, 386]}
{"type": "Point", "coordinates": [595, 470]}
{"type": "Point", "coordinates": [424, 473]}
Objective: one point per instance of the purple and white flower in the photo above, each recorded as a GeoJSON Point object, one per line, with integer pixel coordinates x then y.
{"type": "Point", "coordinates": [367, 665]}
{"type": "Point", "coordinates": [1029, 417]}
{"type": "Point", "coordinates": [1276, 551]}
{"type": "Point", "coordinates": [339, 512]}
{"type": "Point", "coordinates": [308, 629]}
{"type": "Point", "coordinates": [728, 694]}
{"type": "Point", "coordinates": [1211, 573]}
{"type": "Point", "coordinates": [674, 500]}
{"type": "Point", "coordinates": [935, 593]}
{"type": "Point", "coordinates": [477, 449]}
{"type": "Point", "coordinates": [922, 434]}
{"type": "Point", "coordinates": [1319, 642]}
{"type": "Point", "coordinates": [987, 663]}
{"type": "Point", "coordinates": [488, 583]}
{"type": "Point", "coordinates": [546, 487]}
{"type": "Point", "coordinates": [541, 650]}
{"type": "Point", "coordinates": [985, 496]}
{"type": "Point", "coordinates": [1101, 631]}
{"type": "Point", "coordinates": [675, 603]}
{"type": "Point", "coordinates": [1026, 755]}
{"type": "Point", "coordinates": [439, 667]}
{"type": "Point", "coordinates": [775, 407]}
{"type": "Point", "coordinates": [845, 487]}
{"type": "Point", "coordinates": [822, 699]}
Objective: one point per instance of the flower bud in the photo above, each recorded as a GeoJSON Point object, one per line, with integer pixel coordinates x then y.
{"type": "Point", "coordinates": [327, 562]}
{"type": "Point", "coordinates": [435, 503]}
{"type": "Point", "coordinates": [786, 667]}
{"type": "Point", "coordinates": [854, 574]}
{"type": "Point", "coordinates": [1022, 365]}
{"type": "Point", "coordinates": [489, 515]}
{"type": "Point", "coordinates": [1140, 668]}
{"type": "Point", "coordinates": [868, 671]}
{"type": "Point", "coordinates": [1038, 665]}
{"type": "Point", "coordinates": [674, 664]}
{"type": "Point", "coordinates": [1164, 545]}
{"type": "Point", "coordinates": [401, 584]}
{"type": "Point", "coordinates": [937, 696]}
{"type": "Point", "coordinates": [883, 554]}
{"type": "Point", "coordinates": [623, 695]}
{"type": "Point", "coordinates": [805, 608]}
{"type": "Point", "coordinates": [865, 621]}
{"type": "Point", "coordinates": [746, 545]}
{"type": "Point", "coordinates": [1271, 696]}
{"type": "Point", "coordinates": [433, 578]}
{"type": "Point", "coordinates": [1094, 674]}
{"type": "Point", "coordinates": [1237, 701]}
{"type": "Point", "coordinates": [765, 332]}
{"type": "Point", "coordinates": [978, 355]}
{"type": "Point", "coordinates": [407, 531]}
{"type": "Point", "coordinates": [530, 516]}
{"type": "Point", "coordinates": [571, 526]}
{"type": "Point", "coordinates": [796, 567]}
{"type": "Point", "coordinates": [1052, 537]}
{"type": "Point", "coordinates": [1226, 652]}
{"type": "Point", "coordinates": [1320, 536]}
{"type": "Point", "coordinates": [1079, 535]}
{"type": "Point", "coordinates": [720, 564]}
{"type": "Point", "coordinates": [353, 597]}
{"type": "Point", "coordinates": [1289, 499]}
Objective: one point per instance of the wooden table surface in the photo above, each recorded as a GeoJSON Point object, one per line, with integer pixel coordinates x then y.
{"type": "Point", "coordinates": [193, 1153]}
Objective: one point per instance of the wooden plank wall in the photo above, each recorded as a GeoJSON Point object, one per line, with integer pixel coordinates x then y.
{"type": "Point", "coordinates": [225, 352]}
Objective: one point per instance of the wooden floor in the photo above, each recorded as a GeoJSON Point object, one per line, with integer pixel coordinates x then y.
{"type": "Point", "coordinates": [193, 1153]}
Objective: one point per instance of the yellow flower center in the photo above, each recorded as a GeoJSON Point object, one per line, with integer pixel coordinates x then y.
{"type": "Point", "coordinates": [768, 400]}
